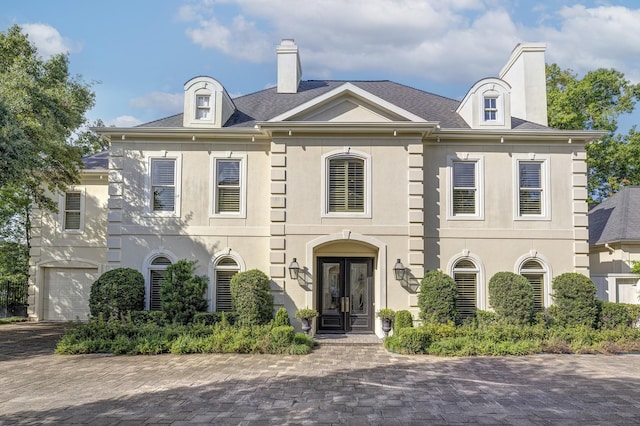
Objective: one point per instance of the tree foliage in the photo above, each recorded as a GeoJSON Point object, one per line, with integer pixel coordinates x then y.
{"type": "Point", "coordinates": [594, 102]}
{"type": "Point", "coordinates": [41, 105]}
{"type": "Point", "coordinates": [182, 292]}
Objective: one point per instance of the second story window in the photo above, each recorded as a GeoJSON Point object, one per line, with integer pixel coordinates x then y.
{"type": "Point", "coordinates": [72, 214]}
{"type": "Point", "coordinates": [530, 191]}
{"type": "Point", "coordinates": [346, 185]}
{"type": "Point", "coordinates": [228, 190]}
{"type": "Point", "coordinates": [163, 185]}
{"type": "Point", "coordinates": [464, 200]}
{"type": "Point", "coordinates": [203, 107]}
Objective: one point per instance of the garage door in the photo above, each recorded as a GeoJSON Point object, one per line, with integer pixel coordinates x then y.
{"type": "Point", "coordinates": [66, 296]}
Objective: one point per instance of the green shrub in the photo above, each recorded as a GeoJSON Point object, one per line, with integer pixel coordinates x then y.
{"type": "Point", "coordinates": [575, 299]}
{"type": "Point", "coordinates": [145, 317]}
{"type": "Point", "coordinates": [182, 292]}
{"type": "Point", "coordinates": [485, 318]}
{"type": "Point", "coordinates": [437, 298]}
{"type": "Point", "coordinates": [511, 296]}
{"type": "Point", "coordinates": [117, 292]}
{"type": "Point", "coordinates": [403, 319]}
{"type": "Point", "coordinates": [281, 338]}
{"type": "Point", "coordinates": [282, 318]}
{"type": "Point", "coordinates": [408, 341]}
{"type": "Point", "coordinates": [613, 315]}
{"type": "Point", "coordinates": [251, 298]}
{"type": "Point", "coordinates": [211, 318]}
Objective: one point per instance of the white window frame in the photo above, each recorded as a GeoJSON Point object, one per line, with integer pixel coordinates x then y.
{"type": "Point", "coordinates": [543, 270]}
{"type": "Point", "coordinates": [208, 108]}
{"type": "Point", "coordinates": [213, 184]}
{"type": "Point", "coordinates": [479, 178]}
{"type": "Point", "coordinates": [499, 108]}
{"type": "Point", "coordinates": [62, 209]}
{"type": "Point", "coordinates": [213, 266]}
{"type": "Point", "coordinates": [346, 153]}
{"type": "Point", "coordinates": [479, 270]}
{"type": "Point", "coordinates": [148, 266]}
{"type": "Point", "coordinates": [545, 182]}
{"type": "Point", "coordinates": [177, 184]}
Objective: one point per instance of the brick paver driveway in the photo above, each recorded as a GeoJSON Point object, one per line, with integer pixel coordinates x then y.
{"type": "Point", "coordinates": [335, 384]}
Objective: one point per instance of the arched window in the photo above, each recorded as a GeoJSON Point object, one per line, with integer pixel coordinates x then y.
{"type": "Point", "coordinates": [346, 184]}
{"type": "Point", "coordinates": [536, 273]}
{"type": "Point", "coordinates": [157, 271]}
{"type": "Point", "coordinates": [465, 274]}
{"type": "Point", "coordinates": [224, 269]}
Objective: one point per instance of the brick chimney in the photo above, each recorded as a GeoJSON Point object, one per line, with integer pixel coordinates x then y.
{"type": "Point", "coordinates": [525, 73]}
{"type": "Point", "coordinates": [289, 70]}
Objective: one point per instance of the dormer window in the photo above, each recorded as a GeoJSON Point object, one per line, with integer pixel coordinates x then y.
{"type": "Point", "coordinates": [203, 107]}
{"type": "Point", "coordinates": [490, 108]}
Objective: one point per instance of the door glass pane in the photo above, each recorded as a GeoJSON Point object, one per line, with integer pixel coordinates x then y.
{"type": "Point", "coordinates": [330, 288]}
{"type": "Point", "coordinates": [358, 284]}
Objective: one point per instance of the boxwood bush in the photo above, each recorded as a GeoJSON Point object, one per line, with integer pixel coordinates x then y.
{"type": "Point", "coordinates": [613, 315]}
{"type": "Point", "coordinates": [437, 298]}
{"type": "Point", "coordinates": [403, 319]}
{"type": "Point", "coordinates": [117, 292]}
{"type": "Point", "coordinates": [282, 318]}
{"type": "Point", "coordinates": [511, 296]}
{"type": "Point", "coordinates": [575, 300]}
{"type": "Point", "coordinates": [251, 297]}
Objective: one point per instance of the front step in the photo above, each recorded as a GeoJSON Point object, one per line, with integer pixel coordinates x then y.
{"type": "Point", "coordinates": [348, 340]}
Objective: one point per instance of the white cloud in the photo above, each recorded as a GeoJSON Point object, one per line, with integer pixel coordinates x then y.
{"type": "Point", "coordinates": [591, 38]}
{"type": "Point", "coordinates": [124, 121]}
{"type": "Point", "coordinates": [165, 103]}
{"type": "Point", "coordinates": [457, 41]}
{"type": "Point", "coordinates": [48, 40]}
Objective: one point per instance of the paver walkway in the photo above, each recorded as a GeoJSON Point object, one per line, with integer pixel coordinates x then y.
{"type": "Point", "coordinates": [334, 385]}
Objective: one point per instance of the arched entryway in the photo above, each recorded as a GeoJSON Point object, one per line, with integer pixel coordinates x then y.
{"type": "Point", "coordinates": [349, 282]}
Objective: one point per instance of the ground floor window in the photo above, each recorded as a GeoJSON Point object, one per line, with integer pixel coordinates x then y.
{"type": "Point", "coordinates": [535, 273]}
{"type": "Point", "coordinates": [465, 274]}
{"type": "Point", "coordinates": [225, 269]}
{"type": "Point", "coordinates": [157, 272]}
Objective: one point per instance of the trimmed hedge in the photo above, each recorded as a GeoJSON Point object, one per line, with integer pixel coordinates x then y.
{"type": "Point", "coordinates": [403, 319]}
{"type": "Point", "coordinates": [211, 318]}
{"type": "Point", "coordinates": [614, 315]}
{"type": "Point", "coordinates": [437, 298]}
{"type": "Point", "coordinates": [575, 300]}
{"type": "Point", "coordinates": [117, 292]}
{"type": "Point", "coordinates": [251, 297]}
{"type": "Point", "coordinates": [511, 296]}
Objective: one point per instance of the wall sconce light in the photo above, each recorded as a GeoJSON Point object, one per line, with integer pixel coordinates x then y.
{"type": "Point", "coordinates": [398, 270]}
{"type": "Point", "coordinates": [294, 269]}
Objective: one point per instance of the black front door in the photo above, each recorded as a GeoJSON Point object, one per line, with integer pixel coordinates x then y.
{"type": "Point", "coordinates": [345, 294]}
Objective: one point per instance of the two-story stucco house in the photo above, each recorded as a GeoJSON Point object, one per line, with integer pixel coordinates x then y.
{"type": "Point", "coordinates": [343, 192]}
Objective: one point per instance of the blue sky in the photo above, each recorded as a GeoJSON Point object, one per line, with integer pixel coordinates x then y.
{"type": "Point", "coordinates": [139, 53]}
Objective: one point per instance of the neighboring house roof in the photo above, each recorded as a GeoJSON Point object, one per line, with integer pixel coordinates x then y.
{"type": "Point", "coordinates": [266, 104]}
{"type": "Point", "coordinates": [99, 161]}
{"type": "Point", "coordinates": [616, 219]}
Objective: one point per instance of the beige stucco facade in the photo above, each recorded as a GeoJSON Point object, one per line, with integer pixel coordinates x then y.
{"type": "Point", "coordinates": [283, 213]}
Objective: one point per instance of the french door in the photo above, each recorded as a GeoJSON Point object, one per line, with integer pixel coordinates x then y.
{"type": "Point", "coordinates": [345, 294]}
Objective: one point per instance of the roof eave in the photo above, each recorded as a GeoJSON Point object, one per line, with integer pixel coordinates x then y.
{"type": "Point", "coordinates": [514, 135]}
{"type": "Point", "coordinates": [394, 128]}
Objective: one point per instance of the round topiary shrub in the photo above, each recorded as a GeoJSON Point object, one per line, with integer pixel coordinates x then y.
{"type": "Point", "coordinates": [182, 292]}
{"type": "Point", "coordinates": [575, 298]}
{"type": "Point", "coordinates": [437, 298]}
{"type": "Point", "coordinates": [116, 292]}
{"type": "Point", "coordinates": [403, 319]}
{"type": "Point", "coordinates": [511, 297]}
{"type": "Point", "coordinates": [251, 298]}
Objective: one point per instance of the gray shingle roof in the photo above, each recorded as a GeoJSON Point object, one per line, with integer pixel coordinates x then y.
{"type": "Point", "coordinates": [617, 218]}
{"type": "Point", "coordinates": [266, 104]}
{"type": "Point", "coordinates": [99, 161]}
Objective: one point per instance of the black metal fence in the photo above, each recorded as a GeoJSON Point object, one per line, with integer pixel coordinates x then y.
{"type": "Point", "coordinates": [13, 298]}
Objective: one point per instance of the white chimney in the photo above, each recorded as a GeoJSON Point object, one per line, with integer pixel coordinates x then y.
{"type": "Point", "coordinates": [525, 73]}
{"type": "Point", "coordinates": [289, 70]}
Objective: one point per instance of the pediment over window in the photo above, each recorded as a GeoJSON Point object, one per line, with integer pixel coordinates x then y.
{"type": "Point", "coordinates": [487, 105]}
{"type": "Point", "coordinates": [206, 103]}
{"type": "Point", "coordinates": [348, 103]}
